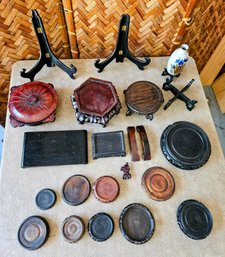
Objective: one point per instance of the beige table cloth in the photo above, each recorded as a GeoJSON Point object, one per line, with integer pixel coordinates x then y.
{"type": "Point", "coordinates": [206, 184]}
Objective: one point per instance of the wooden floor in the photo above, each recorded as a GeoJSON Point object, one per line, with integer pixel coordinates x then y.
{"type": "Point", "coordinates": [218, 117]}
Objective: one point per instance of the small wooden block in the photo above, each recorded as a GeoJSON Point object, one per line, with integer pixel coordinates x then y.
{"type": "Point", "coordinates": [133, 144]}
{"type": "Point", "coordinates": [145, 144]}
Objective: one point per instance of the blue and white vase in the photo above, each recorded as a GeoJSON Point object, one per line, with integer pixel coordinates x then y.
{"type": "Point", "coordinates": [178, 60]}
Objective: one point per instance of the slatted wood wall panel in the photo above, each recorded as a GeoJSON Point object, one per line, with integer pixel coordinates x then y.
{"type": "Point", "coordinates": [18, 40]}
{"type": "Point", "coordinates": [206, 31]}
{"type": "Point", "coordinates": [153, 26]}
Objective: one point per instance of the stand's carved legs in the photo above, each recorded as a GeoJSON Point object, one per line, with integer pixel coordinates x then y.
{"type": "Point", "coordinates": [139, 63]}
{"type": "Point", "coordinates": [129, 112]}
{"type": "Point", "coordinates": [149, 116]}
{"type": "Point", "coordinates": [31, 73]}
{"type": "Point", "coordinates": [101, 65]}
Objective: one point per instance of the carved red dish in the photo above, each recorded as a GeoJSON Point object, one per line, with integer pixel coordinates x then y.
{"type": "Point", "coordinates": [32, 103]}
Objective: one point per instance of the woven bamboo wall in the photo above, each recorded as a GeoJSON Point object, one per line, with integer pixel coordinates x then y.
{"type": "Point", "coordinates": [206, 31]}
{"type": "Point", "coordinates": [153, 25]}
{"type": "Point", "coordinates": [88, 29]}
{"type": "Point", "coordinates": [18, 40]}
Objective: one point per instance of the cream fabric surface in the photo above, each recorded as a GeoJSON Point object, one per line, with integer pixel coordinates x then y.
{"type": "Point", "coordinates": [206, 184]}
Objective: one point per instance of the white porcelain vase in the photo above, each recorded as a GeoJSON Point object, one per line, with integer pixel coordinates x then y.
{"type": "Point", "coordinates": [178, 60]}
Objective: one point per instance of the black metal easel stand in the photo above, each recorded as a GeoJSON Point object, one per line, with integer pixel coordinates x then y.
{"type": "Point", "coordinates": [190, 104]}
{"type": "Point", "coordinates": [121, 51]}
{"type": "Point", "coordinates": [46, 55]}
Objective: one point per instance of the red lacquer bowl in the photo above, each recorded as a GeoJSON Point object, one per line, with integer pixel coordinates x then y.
{"type": "Point", "coordinates": [32, 102]}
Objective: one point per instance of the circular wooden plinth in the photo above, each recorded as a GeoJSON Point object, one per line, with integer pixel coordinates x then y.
{"type": "Point", "coordinates": [76, 190]}
{"type": "Point", "coordinates": [185, 145]}
{"type": "Point", "coordinates": [100, 227]}
{"type": "Point", "coordinates": [158, 183]}
{"type": "Point", "coordinates": [45, 199]}
{"type": "Point", "coordinates": [194, 219]}
{"type": "Point", "coordinates": [33, 232]}
{"type": "Point", "coordinates": [73, 229]}
{"type": "Point", "coordinates": [143, 97]}
{"type": "Point", "coordinates": [106, 189]}
{"type": "Point", "coordinates": [137, 223]}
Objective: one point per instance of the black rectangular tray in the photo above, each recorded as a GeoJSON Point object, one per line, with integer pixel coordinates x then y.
{"type": "Point", "coordinates": [108, 144]}
{"type": "Point", "coordinates": [52, 148]}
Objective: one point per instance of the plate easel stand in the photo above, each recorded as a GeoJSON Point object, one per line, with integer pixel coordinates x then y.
{"type": "Point", "coordinates": [46, 55]}
{"type": "Point", "coordinates": [121, 51]}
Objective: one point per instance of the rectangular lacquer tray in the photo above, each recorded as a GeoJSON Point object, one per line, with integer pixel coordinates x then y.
{"type": "Point", "coordinates": [108, 144]}
{"type": "Point", "coordinates": [52, 148]}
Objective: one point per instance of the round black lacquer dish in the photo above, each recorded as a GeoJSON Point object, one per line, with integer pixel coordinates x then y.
{"type": "Point", "coordinates": [100, 227]}
{"type": "Point", "coordinates": [76, 190]}
{"type": "Point", "coordinates": [33, 232]}
{"type": "Point", "coordinates": [137, 223]}
{"type": "Point", "coordinates": [194, 219]}
{"type": "Point", "coordinates": [45, 199]}
{"type": "Point", "coordinates": [73, 229]}
{"type": "Point", "coordinates": [185, 145]}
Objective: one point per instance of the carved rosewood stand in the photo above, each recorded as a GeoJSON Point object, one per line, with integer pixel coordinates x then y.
{"type": "Point", "coordinates": [95, 101]}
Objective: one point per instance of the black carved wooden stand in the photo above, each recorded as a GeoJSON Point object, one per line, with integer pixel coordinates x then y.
{"type": "Point", "coordinates": [121, 51]}
{"type": "Point", "coordinates": [46, 55]}
{"type": "Point", "coordinates": [166, 73]}
{"type": "Point", "coordinates": [179, 94]}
